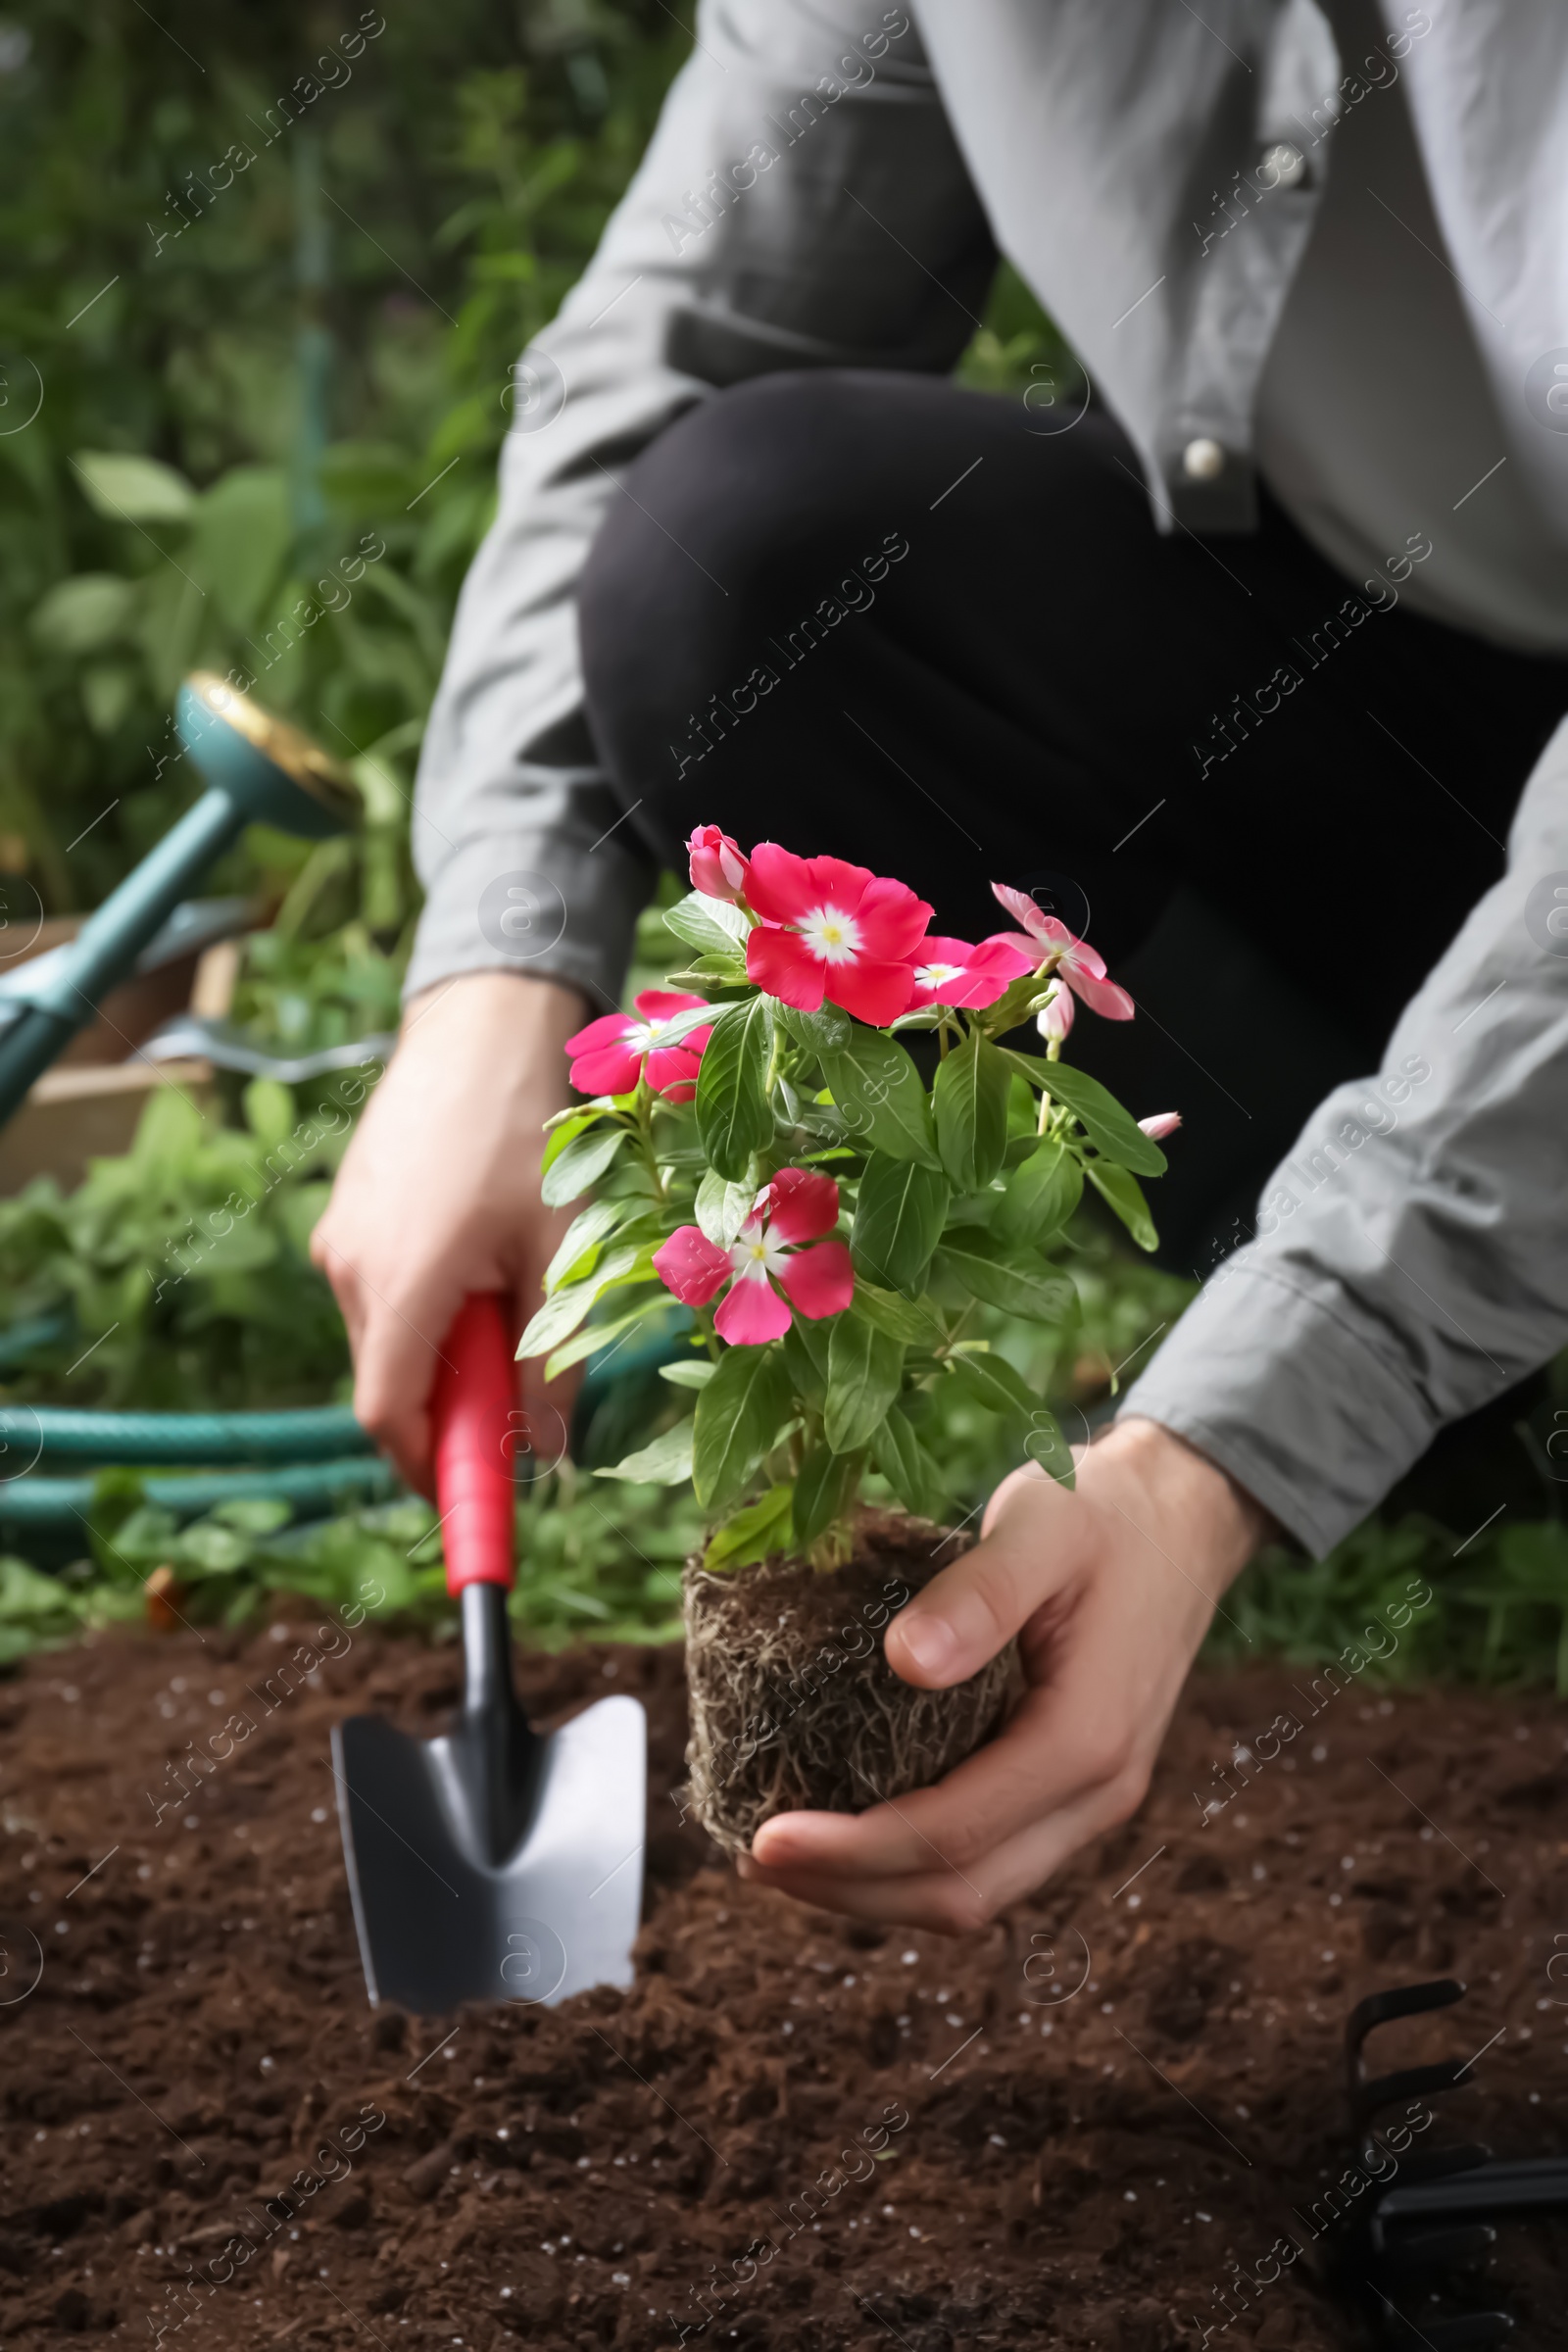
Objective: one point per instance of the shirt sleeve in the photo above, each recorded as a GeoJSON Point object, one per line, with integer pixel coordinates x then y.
{"type": "Point", "coordinates": [801, 204]}
{"type": "Point", "coordinates": [1410, 1259]}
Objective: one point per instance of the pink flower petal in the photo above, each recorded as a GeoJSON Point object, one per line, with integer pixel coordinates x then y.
{"type": "Point", "coordinates": [692, 1266]}
{"type": "Point", "coordinates": [659, 1003]}
{"type": "Point", "coordinates": [802, 1205]}
{"type": "Point", "coordinates": [1104, 996]}
{"type": "Point", "coordinates": [753, 1314]}
{"type": "Point", "coordinates": [609, 1027]}
{"type": "Point", "coordinates": [1021, 906]}
{"type": "Point", "coordinates": [610, 1070]}
{"type": "Point", "coordinates": [779, 965]}
{"type": "Point", "coordinates": [1082, 958]}
{"type": "Point", "coordinates": [1160, 1124]}
{"type": "Point", "coordinates": [670, 1067]}
{"type": "Point", "coordinates": [780, 886]}
{"type": "Point", "coordinates": [820, 1281]}
{"type": "Point", "coordinates": [1007, 952]}
{"type": "Point", "coordinates": [875, 993]}
{"type": "Point", "coordinates": [892, 920]}
{"type": "Point", "coordinates": [839, 884]}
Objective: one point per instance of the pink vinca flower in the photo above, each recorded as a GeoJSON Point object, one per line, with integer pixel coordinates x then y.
{"type": "Point", "coordinates": [1161, 1124]}
{"type": "Point", "coordinates": [611, 1053]}
{"type": "Point", "coordinates": [1083, 970]}
{"type": "Point", "coordinates": [797, 1208]}
{"type": "Point", "coordinates": [948, 971]}
{"type": "Point", "coordinates": [717, 869]}
{"type": "Point", "coordinates": [832, 930]}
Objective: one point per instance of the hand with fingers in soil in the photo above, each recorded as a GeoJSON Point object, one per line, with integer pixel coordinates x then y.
{"type": "Point", "coordinates": [1109, 1590]}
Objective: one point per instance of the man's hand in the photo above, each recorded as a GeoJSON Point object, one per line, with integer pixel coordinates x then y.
{"type": "Point", "coordinates": [438, 1195]}
{"type": "Point", "coordinates": [1110, 1590]}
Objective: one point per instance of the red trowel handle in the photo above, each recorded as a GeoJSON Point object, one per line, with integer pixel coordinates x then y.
{"type": "Point", "coordinates": [475, 1436]}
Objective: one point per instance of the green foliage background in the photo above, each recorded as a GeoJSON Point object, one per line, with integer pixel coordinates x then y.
{"type": "Point", "coordinates": [464, 173]}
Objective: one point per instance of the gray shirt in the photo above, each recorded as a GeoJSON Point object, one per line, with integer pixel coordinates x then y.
{"type": "Point", "coordinates": [827, 186]}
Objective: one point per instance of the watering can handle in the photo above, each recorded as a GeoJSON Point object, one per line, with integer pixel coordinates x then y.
{"type": "Point", "coordinates": [477, 1434]}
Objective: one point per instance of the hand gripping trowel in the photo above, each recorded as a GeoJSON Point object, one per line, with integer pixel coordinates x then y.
{"type": "Point", "coordinates": [493, 1864]}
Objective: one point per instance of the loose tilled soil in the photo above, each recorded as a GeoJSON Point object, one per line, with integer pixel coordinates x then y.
{"type": "Point", "coordinates": [1108, 2100]}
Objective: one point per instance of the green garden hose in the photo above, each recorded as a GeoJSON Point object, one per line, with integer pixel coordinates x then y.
{"type": "Point", "coordinates": [318, 1432]}
{"type": "Point", "coordinates": [30, 1504]}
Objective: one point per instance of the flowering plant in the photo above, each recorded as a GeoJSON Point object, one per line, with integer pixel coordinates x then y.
{"type": "Point", "coordinates": [762, 1147]}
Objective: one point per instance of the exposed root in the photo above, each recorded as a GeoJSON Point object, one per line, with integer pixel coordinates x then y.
{"type": "Point", "coordinates": [792, 1701]}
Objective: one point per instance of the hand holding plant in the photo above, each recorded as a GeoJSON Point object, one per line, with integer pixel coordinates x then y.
{"type": "Point", "coordinates": [762, 1147]}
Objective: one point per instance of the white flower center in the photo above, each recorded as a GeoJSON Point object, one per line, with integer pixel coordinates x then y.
{"type": "Point", "coordinates": [645, 1034]}
{"type": "Point", "coordinates": [832, 936]}
{"type": "Point", "coordinates": [754, 1256]}
{"type": "Point", "coordinates": [937, 975]}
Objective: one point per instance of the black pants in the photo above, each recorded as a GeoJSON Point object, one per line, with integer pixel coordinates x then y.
{"type": "Point", "coordinates": [878, 615]}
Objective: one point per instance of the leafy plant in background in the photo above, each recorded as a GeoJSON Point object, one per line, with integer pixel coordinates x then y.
{"type": "Point", "coordinates": [182, 1266]}
{"type": "Point", "coordinates": [319, 355]}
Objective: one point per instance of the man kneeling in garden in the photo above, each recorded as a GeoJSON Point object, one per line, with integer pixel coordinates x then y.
{"type": "Point", "coordinates": [1248, 645]}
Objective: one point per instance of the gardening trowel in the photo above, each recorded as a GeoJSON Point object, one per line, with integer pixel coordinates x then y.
{"type": "Point", "coordinates": [493, 1864]}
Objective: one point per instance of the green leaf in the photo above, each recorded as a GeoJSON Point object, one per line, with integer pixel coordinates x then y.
{"type": "Point", "coordinates": [761, 1527]}
{"type": "Point", "coordinates": [972, 1112]}
{"type": "Point", "coordinates": [1012, 1278]}
{"type": "Point", "coordinates": [905, 1463]}
{"type": "Point", "coordinates": [561, 1314]}
{"type": "Point", "coordinates": [1126, 1196]}
{"type": "Point", "coordinates": [991, 1380]}
{"type": "Point", "coordinates": [805, 1351]}
{"type": "Point", "coordinates": [739, 1415]}
{"type": "Point", "coordinates": [692, 1372]}
{"type": "Point", "coordinates": [733, 1116]}
{"type": "Point", "coordinates": [712, 925]}
{"type": "Point", "coordinates": [1014, 1009]}
{"type": "Point", "coordinates": [666, 1462]}
{"type": "Point", "coordinates": [586, 1236]}
{"type": "Point", "coordinates": [722, 1207]}
{"type": "Point", "coordinates": [84, 614]}
{"type": "Point", "coordinates": [825, 1030]}
{"type": "Point", "coordinates": [582, 1238]}
{"type": "Point", "coordinates": [878, 1091]}
{"type": "Point", "coordinates": [903, 1319]}
{"type": "Point", "coordinates": [1042, 1195]}
{"type": "Point", "coordinates": [108, 689]}
{"type": "Point", "coordinates": [578, 1165]}
{"type": "Point", "coordinates": [898, 1215]}
{"type": "Point", "coordinates": [596, 1336]}
{"type": "Point", "coordinates": [864, 1369]}
{"type": "Point", "coordinates": [824, 1488]}
{"type": "Point", "coordinates": [1110, 1129]}
{"type": "Point", "coordinates": [133, 489]}
{"type": "Point", "coordinates": [728, 971]}
{"type": "Point", "coordinates": [1047, 1445]}
{"type": "Point", "coordinates": [241, 541]}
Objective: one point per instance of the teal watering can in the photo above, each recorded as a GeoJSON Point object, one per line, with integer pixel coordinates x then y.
{"type": "Point", "coordinates": [258, 769]}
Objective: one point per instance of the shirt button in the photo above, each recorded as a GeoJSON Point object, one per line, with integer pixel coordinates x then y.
{"type": "Point", "coordinates": [1284, 166]}
{"type": "Point", "coordinates": [1203, 460]}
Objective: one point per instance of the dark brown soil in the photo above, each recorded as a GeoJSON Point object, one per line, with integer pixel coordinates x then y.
{"type": "Point", "coordinates": [1065, 2131]}
{"type": "Point", "coordinates": [792, 1701]}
